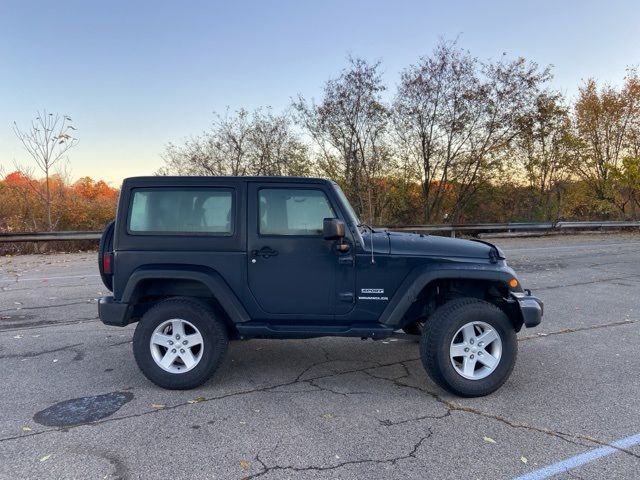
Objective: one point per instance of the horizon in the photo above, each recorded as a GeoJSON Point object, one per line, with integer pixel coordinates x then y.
{"type": "Point", "coordinates": [134, 83]}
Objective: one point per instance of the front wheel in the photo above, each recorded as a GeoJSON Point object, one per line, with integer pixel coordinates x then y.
{"type": "Point", "coordinates": [179, 343]}
{"type": "Point", "coordinates": [469, 347]}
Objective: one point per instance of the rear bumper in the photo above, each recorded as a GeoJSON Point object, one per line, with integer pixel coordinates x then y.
{"type": "Point", "coordinates": [113, 313]}
{"type": "Point", "coordinates": [531, 308]}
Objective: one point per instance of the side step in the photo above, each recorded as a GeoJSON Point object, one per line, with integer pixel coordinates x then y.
{"type": "Point", "coordinates": [270, 330]}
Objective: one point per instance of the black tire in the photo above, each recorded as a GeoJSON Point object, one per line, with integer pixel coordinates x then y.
{"type": "Point", "coordinates": [106, 246]}
{"type": "Point", "coordinates": [214, 341]}
{"type": "Point", "coordinates": [437, 337]}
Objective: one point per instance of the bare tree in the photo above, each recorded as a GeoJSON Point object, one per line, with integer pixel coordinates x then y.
{"type": "Point", "coordinates": [350, 126]}
{"type": "Point", "coordinates": [455, 116]}
{"type": "Point", "coordinates": [258, 143]}
{"type": "Point", "coordinates": [47, 141]}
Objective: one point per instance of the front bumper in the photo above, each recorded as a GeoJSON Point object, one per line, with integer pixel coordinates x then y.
{"type": "Point", "coordinates": [531, 308]}
{"type": "Point", "coordinates": [113, 313]}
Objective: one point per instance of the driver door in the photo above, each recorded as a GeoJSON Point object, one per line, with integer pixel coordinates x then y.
{"type": "Point", "coordinates": [291, 267]}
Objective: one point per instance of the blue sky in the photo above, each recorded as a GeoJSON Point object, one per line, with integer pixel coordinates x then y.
{"type": "Point", "coordinates": [136, 75]}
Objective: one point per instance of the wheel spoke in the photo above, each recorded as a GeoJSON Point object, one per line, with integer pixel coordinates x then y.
{"type": "Point", "coordinates": [457, 350]}
{"type": "Point", "coordinates": [488, 360]}
{"type": "Point", "coordinates": [468, 366]}
{"type": "Point", "coordinates": [193, 339]}
{"type": "Point", "coordinates": [487, 337]}
{"type": "Point", "coordinates": [187, 358]}
{"type": "Point", "coordinates": [176, 355]}
{"type": "Point", "coordinates": [468, 332]}
{"type": "Point", "coordinates": [177, 327]}
{"type": "Point", "coordinates": [160, 339]}
{"type": "Point", "coordinates": [168, 359]}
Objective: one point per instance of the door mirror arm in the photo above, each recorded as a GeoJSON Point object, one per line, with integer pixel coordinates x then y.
{"type": "Point", "coordinates": [343, 246]}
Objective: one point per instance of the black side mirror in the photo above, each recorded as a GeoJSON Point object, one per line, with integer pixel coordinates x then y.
{"type": "Point", "coordinates": [333, 229]}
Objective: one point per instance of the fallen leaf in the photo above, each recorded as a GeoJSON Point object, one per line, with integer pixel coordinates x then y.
{"type": "Point", "coordinates": [328, 416]}
{"type": "Point", "coordinates": [158, 405]}
{"type": "Point", "coordinates": [55, 360]}
{"type": "Point", "coordinates": [45, 458]}
{"type": "Point", "coordinates": [26, 429]}
{"type": "Point", "coordinates": [244, 464]}
{"type": "Point", "coordinates": [197, 400]}
{"type": "Point", "coordinates": [489, 440]}
{"type": "Point", "coordinates": [523, 459]}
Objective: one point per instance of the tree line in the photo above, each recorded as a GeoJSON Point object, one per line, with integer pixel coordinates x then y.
{"type": "Point", "coordinates": [82, 205]}
{"type": "Point", "coordinates": [459, 139]}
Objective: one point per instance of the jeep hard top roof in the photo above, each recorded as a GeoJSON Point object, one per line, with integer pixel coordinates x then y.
{"type": "Point", "coordinates": [187, 179]}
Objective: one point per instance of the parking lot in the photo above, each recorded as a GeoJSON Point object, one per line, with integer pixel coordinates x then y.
{"type": "Point", "coordinates": [328, 407]}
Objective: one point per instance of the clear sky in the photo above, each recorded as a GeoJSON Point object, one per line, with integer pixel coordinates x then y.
{"type": "Point", "coordinates": [136, 75]}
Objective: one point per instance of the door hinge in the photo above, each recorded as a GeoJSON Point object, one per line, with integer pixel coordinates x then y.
{"type": "Point", "coordinates": [345, 260]}
{"type": "Point", "coordinates": [346, 297]}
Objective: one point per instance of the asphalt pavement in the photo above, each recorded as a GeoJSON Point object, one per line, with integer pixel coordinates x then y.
{"type": "Point", "coordinates": [74, 405]}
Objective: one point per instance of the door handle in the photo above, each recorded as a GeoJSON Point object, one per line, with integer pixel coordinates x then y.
{"type": "Point", "coordinates": [264, 252]}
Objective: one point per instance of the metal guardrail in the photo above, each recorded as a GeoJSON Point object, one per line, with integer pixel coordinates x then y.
{"type": "Point", "coordinates": [48, 236]}
{"type": "Point", "coordinates": [452, 228]}
{"type": "Point", "coordinates": [514, 227]}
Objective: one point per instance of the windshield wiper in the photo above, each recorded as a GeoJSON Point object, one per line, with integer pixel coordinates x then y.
{"type": "Point", "coordinates": [368, 227]}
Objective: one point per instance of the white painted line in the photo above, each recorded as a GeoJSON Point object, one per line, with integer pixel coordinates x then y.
{"type": "Point", "coordinates": [582, 459]}
{"type": "Point", "coordinates": [570, 247]}
{"type": "Point", "coordinates": [43, 279]}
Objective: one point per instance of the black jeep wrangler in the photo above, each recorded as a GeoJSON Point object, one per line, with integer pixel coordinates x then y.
{"type": "Point", "coordinates": [197, 261]}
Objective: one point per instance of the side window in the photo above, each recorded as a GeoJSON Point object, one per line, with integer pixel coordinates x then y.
{"type": "Point", "coordinates": [165, 210]}
{"type": "Point", "coordinates": [293, 211]}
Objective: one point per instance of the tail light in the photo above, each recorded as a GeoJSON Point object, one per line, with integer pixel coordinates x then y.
{"type": "Point", "coordinates": [107, 263]}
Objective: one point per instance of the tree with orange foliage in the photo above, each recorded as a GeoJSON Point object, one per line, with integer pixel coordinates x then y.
{"type": "Point", "coordinates": [84, 205]}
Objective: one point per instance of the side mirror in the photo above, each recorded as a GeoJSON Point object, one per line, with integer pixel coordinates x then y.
{"type": "Point", "coordinates": [333, 229]}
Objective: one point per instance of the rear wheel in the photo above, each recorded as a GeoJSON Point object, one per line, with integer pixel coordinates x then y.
{"type": "Point", "coordinates": [469, 347]}
{"type": "Point", "coordinates": [179, 343]}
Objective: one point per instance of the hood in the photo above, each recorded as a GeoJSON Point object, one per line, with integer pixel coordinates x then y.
{"type": "Point", "coordinates": [435, 246]}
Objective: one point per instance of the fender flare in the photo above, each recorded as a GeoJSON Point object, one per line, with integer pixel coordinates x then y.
{"type": "Point", "coordinates": [207, 276]}
{"type": "Point", "coordinates": [419, 277]}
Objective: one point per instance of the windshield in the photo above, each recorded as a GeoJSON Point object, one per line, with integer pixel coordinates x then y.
{"type": "Point", "coordinates": [345, 202]}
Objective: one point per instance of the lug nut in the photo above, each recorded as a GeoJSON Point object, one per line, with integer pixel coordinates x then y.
{"type": "Point", "coordinates": [182, 350]}
{"type": "Point", "coordinates": [170, 342]}
{"type": "Point", "coordinates": [481, 344]}
{"type": "Point", "coordinates": [184, 342]}
{"type": "Point", "coordinates": [471, 357]}
{"type": "Point", "coordinates": [471, 341]}
{"type": "Point", "coordinates": [177, 337]}
{"type": "Point", "coordinates": [466, 349]}
{"type": "Point", "coordinates": [173, 351]}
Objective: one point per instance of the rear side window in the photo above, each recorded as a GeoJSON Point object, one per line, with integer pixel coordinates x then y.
{"type": "Point", "coordinates": [293, 211]}
{"type": "Point", "coordinates": [166, 210]}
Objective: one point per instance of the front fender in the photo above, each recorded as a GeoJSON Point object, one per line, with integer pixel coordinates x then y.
{"type": "Point", "coordinates": [421, 276]}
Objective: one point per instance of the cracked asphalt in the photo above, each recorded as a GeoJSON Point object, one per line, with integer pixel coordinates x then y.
{"type": "Point", "coordinates": [322, 408]}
